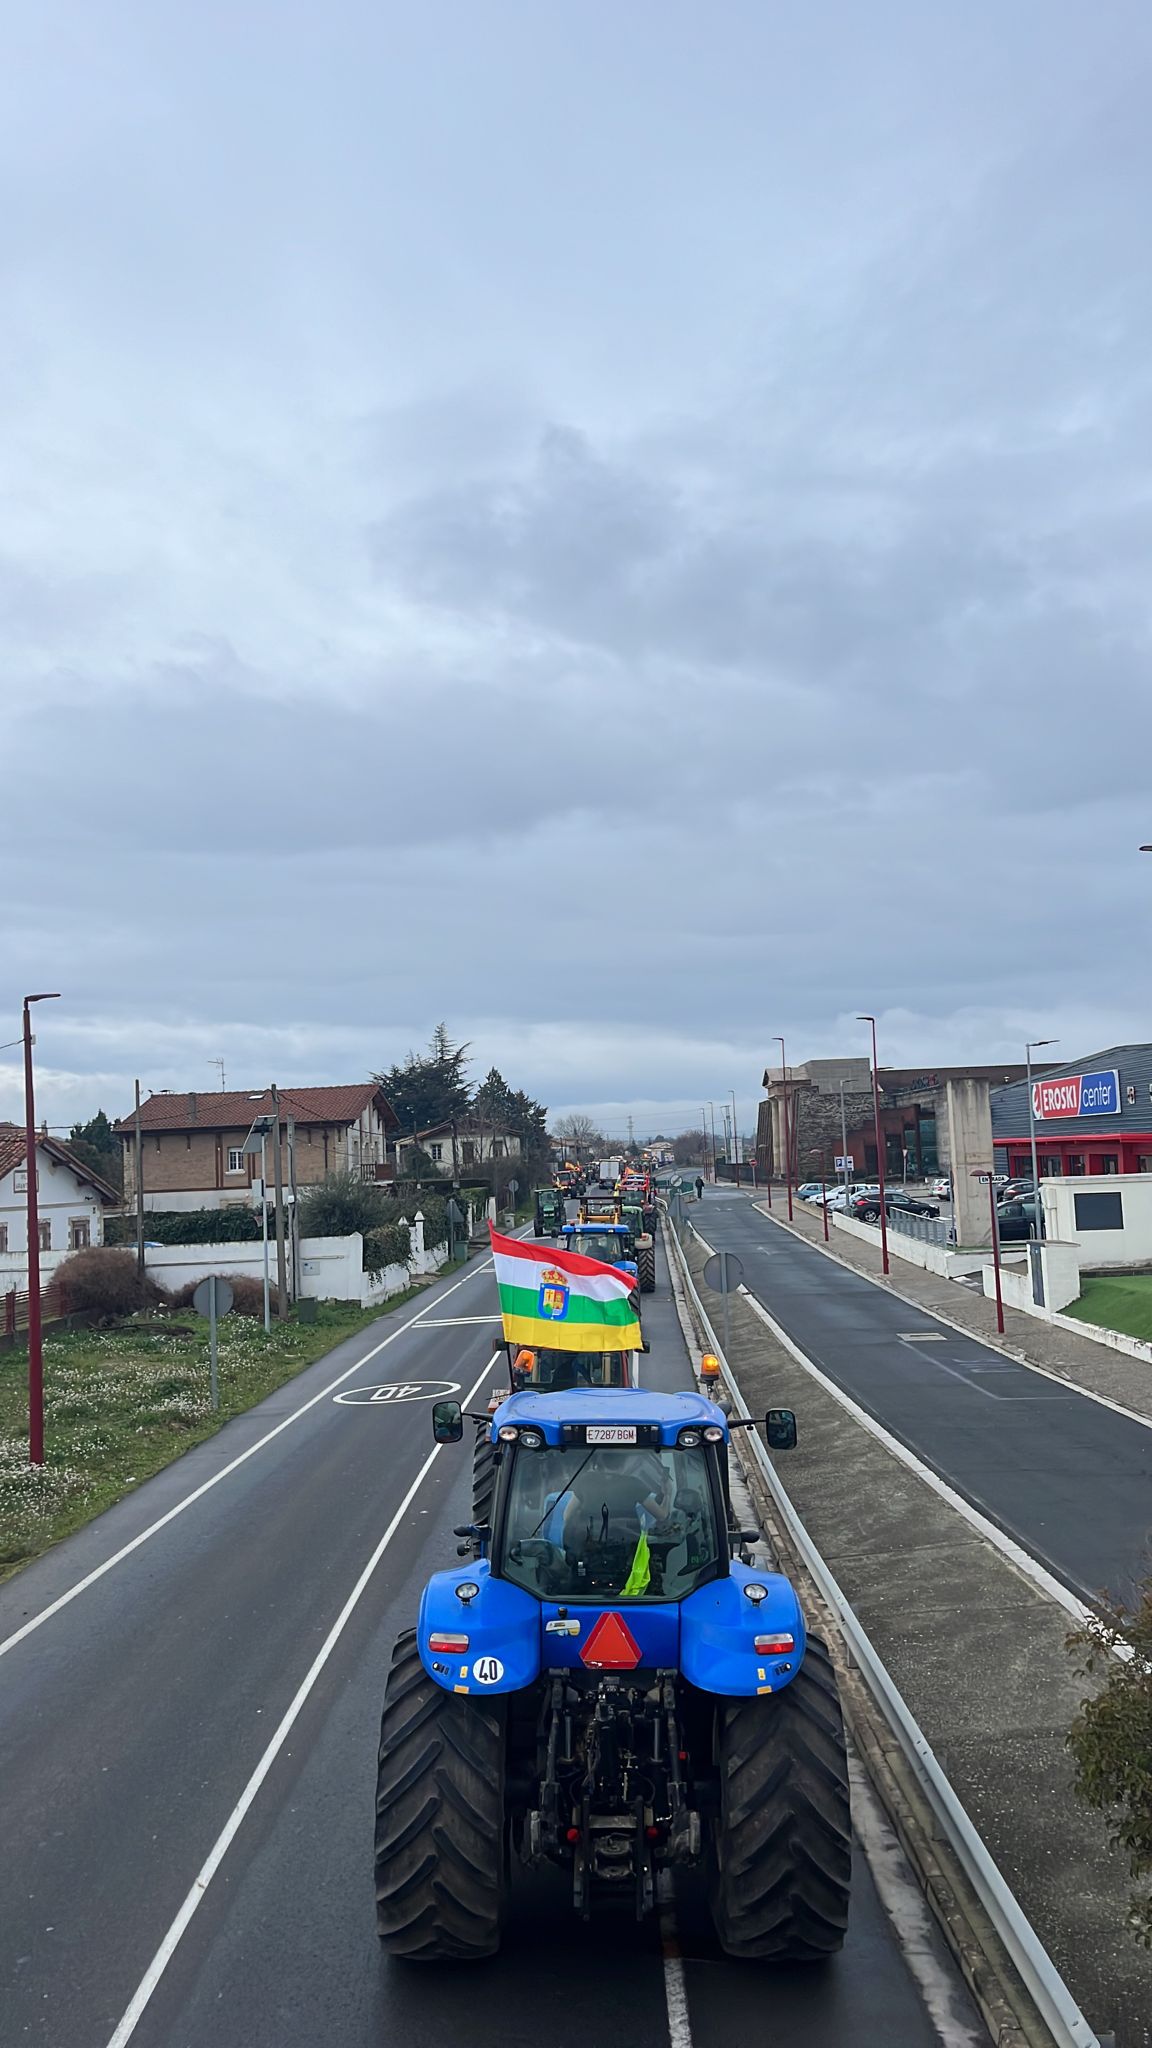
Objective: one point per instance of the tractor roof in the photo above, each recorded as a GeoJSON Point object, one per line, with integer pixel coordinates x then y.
{"type": "Point", "coordinates": [549, 1412]}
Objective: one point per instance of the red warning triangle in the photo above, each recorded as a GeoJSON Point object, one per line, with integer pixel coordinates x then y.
{"type": "Point", "coordinates": [611, 1646]}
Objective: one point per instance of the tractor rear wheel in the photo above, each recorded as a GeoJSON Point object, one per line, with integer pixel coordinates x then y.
{"type": "Point", "coordinates": [782, 1845]}
{"type": "Point", "coordinates": [439, 1818]}
{"type": "Point", "coordinates": [646, 1266]}
{"type": "Point", "coordinates": [483, 1475]}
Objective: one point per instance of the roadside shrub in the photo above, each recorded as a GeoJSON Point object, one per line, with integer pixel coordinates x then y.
{"type": "Point", "coordinates": [388, 1245]}
{"type": "Point", "coordinates": [105, 1282]}
{"type": "Point", "coordinates": [1111, 1739]}
{"type": "Point", "coordinates": [188, 1226]}
{"type": "Point", "coordinates": [247, 1294]}
{"type": "Point", "coordinates": [340, 1204]}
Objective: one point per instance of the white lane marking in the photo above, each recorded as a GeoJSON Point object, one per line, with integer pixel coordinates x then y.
{"type": "Point", "coordinates": [395, 1392]}
{"type": "Point", "coordinates": [229, 1831]}
{"type": "Point", "coordinates": [1006, 1545]}
{"type": "Point", "coordinates": [198, 1492]}
{"type": "Point", "coordinates": [458, 1322]}
{"type": "Point", "coordinates": [962, 1330]}
{"type": "Point", "coordinates": [916, 1933]}
{"type": "Point", "coordinates": [675, 1988]}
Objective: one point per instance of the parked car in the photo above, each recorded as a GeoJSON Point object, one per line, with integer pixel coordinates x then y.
{"type": "Point", "coordinates": [1018, 1219]}
{"type": "Point", "coordinates": [812, 1190]}
{"type": "Point", "coordinates": [942, 1187]}
{"type": "Point", "coordinates": [1016, 1190]}
{"type": "Point", "coordinates": [867, 1207]}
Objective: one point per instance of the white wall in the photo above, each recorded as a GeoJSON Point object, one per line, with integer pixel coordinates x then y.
{"type": "Point", "coordinates": [935, 1258]}
{"type": "Point", "coordinates": [331, 1268]}
{"type": "Point", "coordinates": [1130, 1246]}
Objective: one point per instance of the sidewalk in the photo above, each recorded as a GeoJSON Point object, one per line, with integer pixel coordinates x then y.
{"type": "Point", "coordinates": [1079, 1360]}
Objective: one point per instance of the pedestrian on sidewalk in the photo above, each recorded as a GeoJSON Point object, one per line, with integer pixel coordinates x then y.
{"type": "Point", "coordinates": [699, 1187]}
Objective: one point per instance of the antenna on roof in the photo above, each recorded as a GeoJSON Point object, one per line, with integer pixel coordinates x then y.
{"type": "Point", "coordinates": [219, 1063]}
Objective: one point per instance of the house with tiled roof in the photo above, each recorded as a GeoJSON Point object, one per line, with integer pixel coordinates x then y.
{"type": "Point", "coordinates": [71, 1198]}
{"type": "Point", "coordinates": [192, 1145]}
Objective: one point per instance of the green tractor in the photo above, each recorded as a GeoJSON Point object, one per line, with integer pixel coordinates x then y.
{"type": "Point", "coordinates": [551, 1212]}
{"type": "Point", "coordinates": [641, 1221]}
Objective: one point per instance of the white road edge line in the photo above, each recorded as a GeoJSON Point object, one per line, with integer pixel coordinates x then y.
{"type": "Point", "coordinates": [90, 1578]}
{"type": "Point", "coordinates": [675, 1987]}
{"type": "Point", "coordinates": [228, 1833]}
{"type": "Point", "coordinates": [962, 1330]}
{"type": "Point", "coordinates": [1015, 1552]}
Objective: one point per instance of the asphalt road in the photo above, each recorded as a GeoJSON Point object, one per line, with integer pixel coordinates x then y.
{"type": "Point", "coordinates": [1070, 1479]}
{"type": "Point", "coordinates": [136, 1716]}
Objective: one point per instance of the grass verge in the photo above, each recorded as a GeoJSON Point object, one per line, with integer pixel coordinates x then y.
{"type": "Point", "coordinates": [121, 1404]}
{"type": "Point", "coordinates": [1120, 1301]}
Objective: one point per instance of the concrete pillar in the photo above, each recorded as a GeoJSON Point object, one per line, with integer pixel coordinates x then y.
{"type": "Point", "coordinates": [968, 1114]}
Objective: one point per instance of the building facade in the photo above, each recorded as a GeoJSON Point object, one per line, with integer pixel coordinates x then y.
{"type": "Point", "coordinates": [824, 1101]}
{"type": "Point", "coordinates": [71, 1200]}
{"type": "Point", "coordinates": [1093, 1117]}
{"type": "Point", "coordinates": [193, 1153]}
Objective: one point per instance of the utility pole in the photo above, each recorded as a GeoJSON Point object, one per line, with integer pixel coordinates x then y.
{"type": "Point", "coordinates": [278, 1179]}
{"type": "Point", "coordinates": [138, 1160]}
{"type": "Point", "coordinates": [293, 1225]}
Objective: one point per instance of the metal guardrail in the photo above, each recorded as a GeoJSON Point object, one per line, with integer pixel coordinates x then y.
{"type": "Point", "coordinates": [1046, 1987]}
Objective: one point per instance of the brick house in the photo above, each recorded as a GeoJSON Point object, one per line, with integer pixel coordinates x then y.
{"type": "Point", "coordinates": [193, 1155]}
{"type": "Point", "coordinates": [72, 1202]}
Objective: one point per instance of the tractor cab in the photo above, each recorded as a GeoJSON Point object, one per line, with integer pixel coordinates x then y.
{"type": "Point", "coordinates": [611, 1243]}
{"type": "Point", "coordinates": [544, 1371]}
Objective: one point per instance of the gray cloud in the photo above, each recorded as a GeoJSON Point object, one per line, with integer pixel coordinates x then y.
{"type": "Point", "coordinates": [628, 538]}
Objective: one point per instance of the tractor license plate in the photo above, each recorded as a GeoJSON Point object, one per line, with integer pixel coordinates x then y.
{"type": "Point", "coordinates": [610, 1433]}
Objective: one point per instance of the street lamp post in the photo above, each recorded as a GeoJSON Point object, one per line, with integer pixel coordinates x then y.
{"type": "Point", "coordinates": [735, 1139]}
{"type": "Point", "coordinates": [879, 1145]}
{"type": "Point", "coordinates": [1032, 1046]}
{"type": "Point", "coordinates": [778, 1040]}
{"type": "Point", "coordinates": [35, 1334]}
{"type": "Point", "coordinates": [712, 1108]}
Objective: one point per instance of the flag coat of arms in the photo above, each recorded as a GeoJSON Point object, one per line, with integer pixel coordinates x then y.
{"type": "Point", "coordinates": [562, 1300]}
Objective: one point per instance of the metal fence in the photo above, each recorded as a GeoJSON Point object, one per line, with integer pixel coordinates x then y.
{"type": "Point", "coordinates": [929, 1229]}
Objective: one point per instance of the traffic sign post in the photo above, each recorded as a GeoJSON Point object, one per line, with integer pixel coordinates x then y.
{"type": "Point", "coordinates": [723, 1274]}
{"type": "Point", "coordinates": [213, 1297]}
{"type": "Point", "coordinates": [990, 1179]}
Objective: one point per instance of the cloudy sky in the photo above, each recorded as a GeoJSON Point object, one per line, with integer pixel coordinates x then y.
{"type": "Point", "coordinates": [625, 527]}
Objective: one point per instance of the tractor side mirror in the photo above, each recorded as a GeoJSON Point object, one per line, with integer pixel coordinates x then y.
{"type": "Point", "coordinates": [780, 1429]}
{"type": "Point", "coordinates": [447, 1422]}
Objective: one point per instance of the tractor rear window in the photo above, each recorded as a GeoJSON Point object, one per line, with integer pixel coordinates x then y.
{"type": "Point", "coordinates": [600, 1244]}
{"type": "Point", "coordinates": [555, 1371]}
{"type": "Point", "coordinates": [629, 1524]}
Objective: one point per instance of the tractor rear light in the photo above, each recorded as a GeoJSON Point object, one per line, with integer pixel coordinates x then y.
{"type": "Point", "coordinates": [713, 1434]}
{"type": "Point", "coordinates": [755, 1593]}
{"type": "Point", "coordinates": [507, 1434]}
{"type": "Point", "coordinates": [571, 1834]}
{"type": "Point", "coordinates": [774, 1646]}
{"type": "Point", "coordinates": [449, 1646]}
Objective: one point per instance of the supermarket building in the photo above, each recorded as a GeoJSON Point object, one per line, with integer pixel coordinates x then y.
{"type": "Point", "coordinates": [1091, 1118]}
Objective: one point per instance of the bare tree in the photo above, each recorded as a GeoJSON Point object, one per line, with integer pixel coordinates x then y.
{"type": "Point", "coordinates": [579, 1133]}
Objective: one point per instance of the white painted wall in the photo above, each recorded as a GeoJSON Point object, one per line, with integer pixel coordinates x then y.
{"type": "Point", "coordinates": [331, 1268]}
{"type": "Point", "coordinates": [1102, 1249]}
{"type": "Point", "coordinates": [934, 1258]}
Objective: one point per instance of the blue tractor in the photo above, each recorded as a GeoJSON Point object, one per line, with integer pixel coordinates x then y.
{"type": "Point", "coordinates": [614, 1243]}
{"type": "Point", "coordinates": [610, 1685]}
